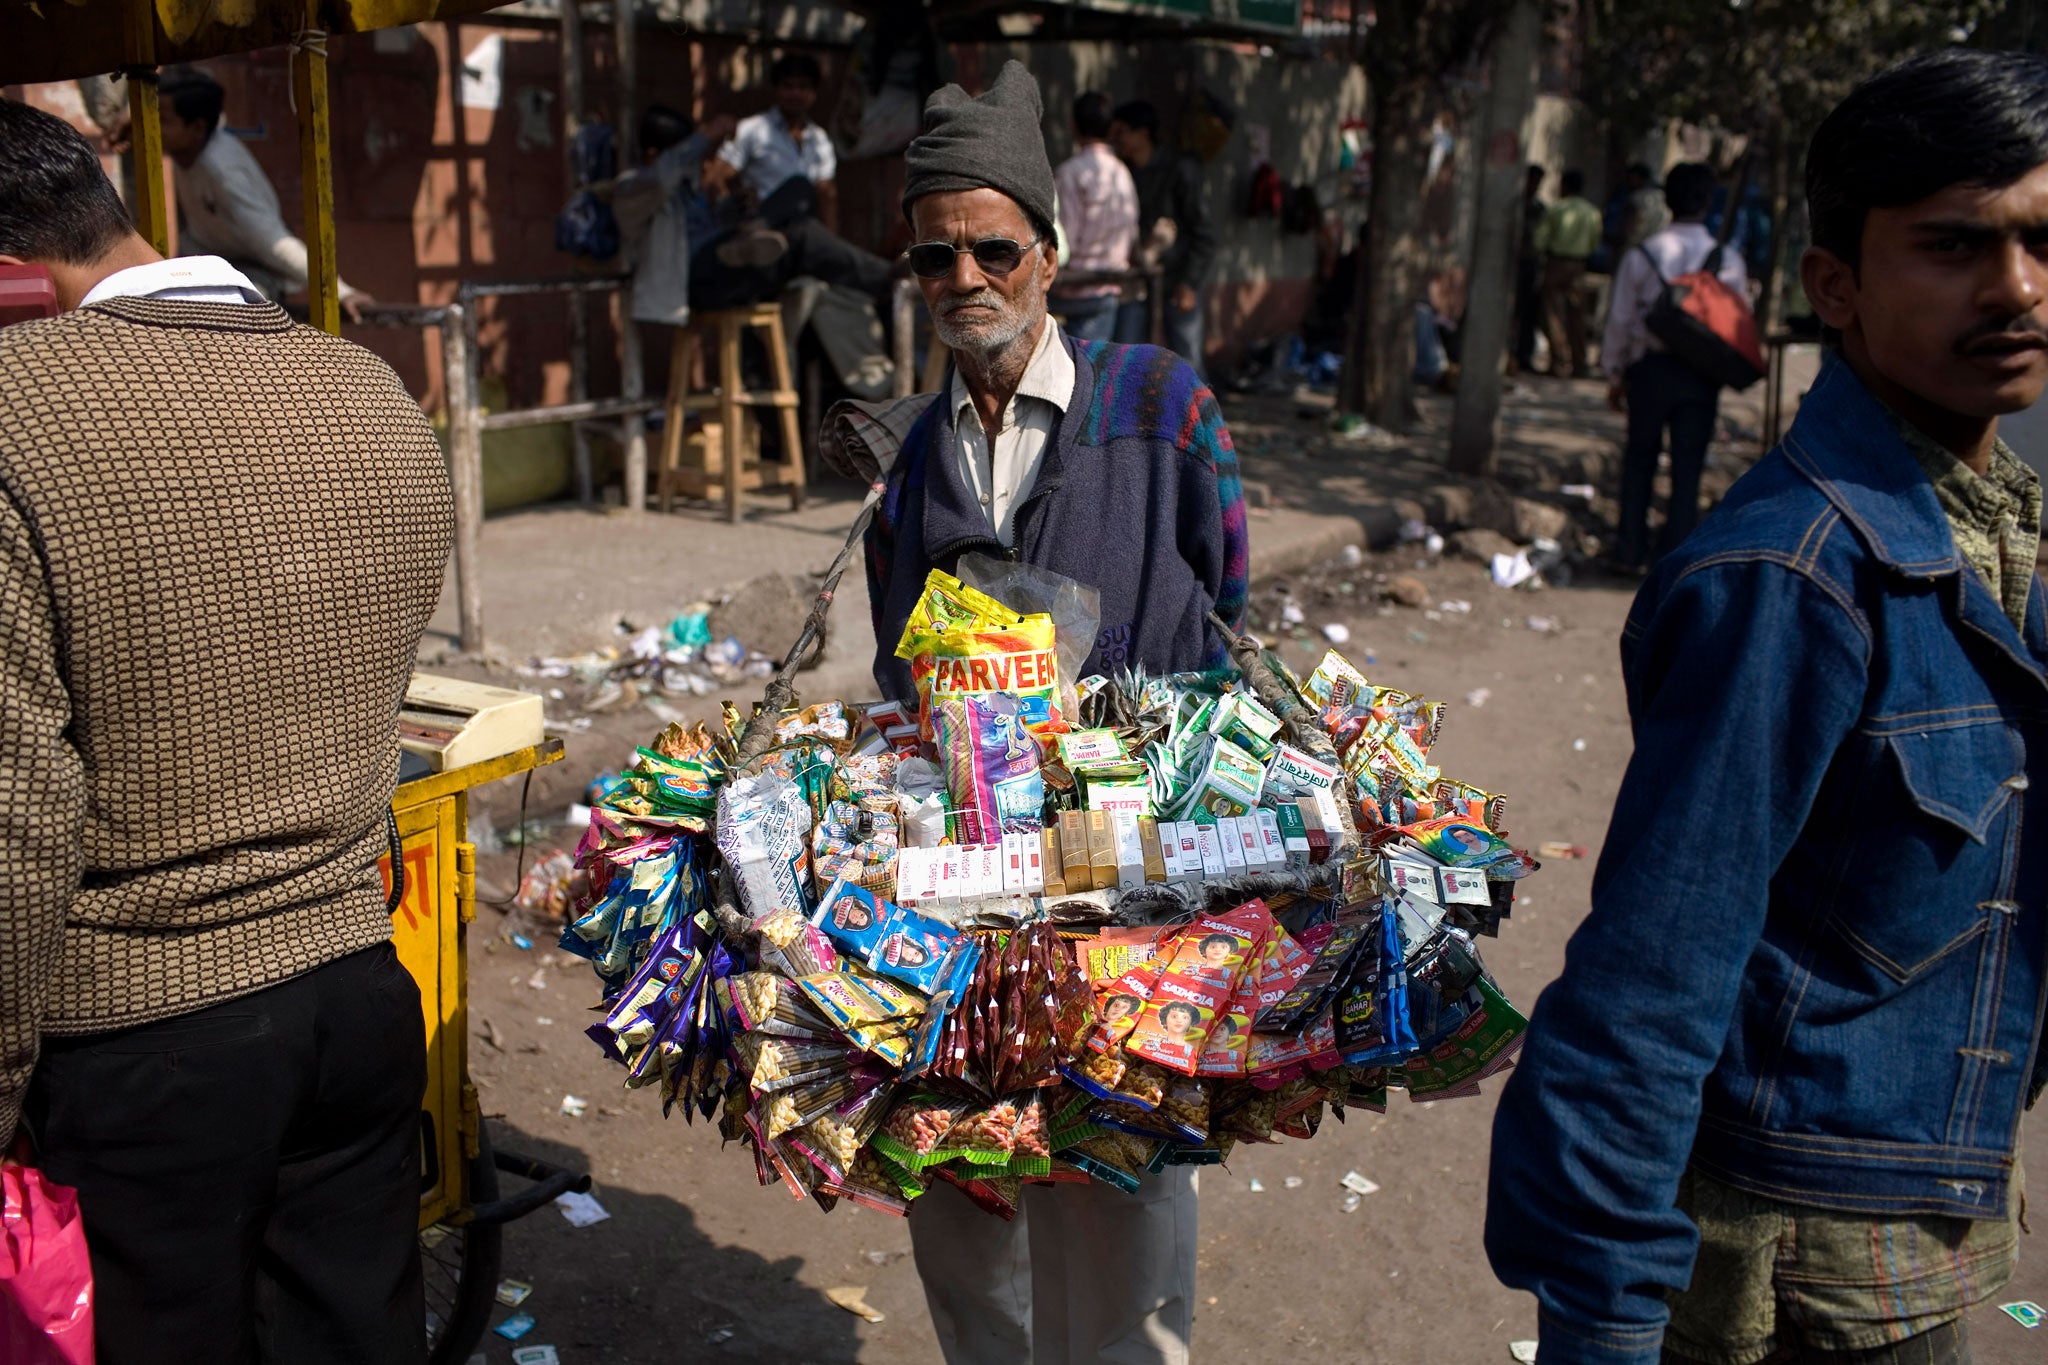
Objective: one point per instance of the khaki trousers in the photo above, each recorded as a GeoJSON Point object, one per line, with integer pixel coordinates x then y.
{"type": "Point", "coordinates": [1564, 314]}
{"type": "Point", "coordinates": [1085, 1273]}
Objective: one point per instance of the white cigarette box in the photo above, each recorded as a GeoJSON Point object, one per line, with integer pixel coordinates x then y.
{"type": "Point", "coordinates": [1013, 863]}
{"type": "Point", "coordinates": [1209, 843]}
{"type": "Point", "coordinates": [1033, 845]}
{"type": "Point", "coordinates": [948, 861]}
{"type": "Point", "coordinates": [1130, 850]}
{"type": "Point", "coordinates": [1169, 848]}
{"type": "Point", "coordinates": [1190, 851]}
{"type": "Point", "coordinates": [1269, 840]}
{"type": "Point", "coordinates": [1248, 838]}
{"type": "Point", "coordinates": [1229, 833]}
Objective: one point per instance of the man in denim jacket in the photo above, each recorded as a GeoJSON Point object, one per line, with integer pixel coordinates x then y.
{"type": "Point", "coordinates": [1772, 1108]}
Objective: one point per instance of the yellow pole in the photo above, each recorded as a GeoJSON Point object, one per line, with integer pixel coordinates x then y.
{"type": "Point", "coordinates": [316, 170]}
{"type": "Point", "coordinates": [152, 217]}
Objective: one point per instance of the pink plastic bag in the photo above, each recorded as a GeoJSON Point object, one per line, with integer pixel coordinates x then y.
{"type": "Point", "coordinates": [45, 1275]}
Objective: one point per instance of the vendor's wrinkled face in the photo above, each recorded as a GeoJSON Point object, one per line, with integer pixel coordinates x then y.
{"type": "Point", "coordinates": [1949, 301]}
{"type": "Point", "coordinates": [975, 309]}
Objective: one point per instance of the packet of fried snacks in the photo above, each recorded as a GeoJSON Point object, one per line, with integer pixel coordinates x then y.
{"type": "Point", "coordinates": [832, 1140]}
{"type": "Point", "coordinates": [774, 1063]}
{"type": "Point", "coordinates": [768, 1002]}
{"type": "Point", "coordinates": [912, 1131]}
{"type": "Point", "coordinates": [1198, 980]}
{"type": "Point", "coordinates": [792, 945]}
{"type": "Point", "coordinates": [985, 1136]}
{"type": "Point", "coordinates": [867, 1182]}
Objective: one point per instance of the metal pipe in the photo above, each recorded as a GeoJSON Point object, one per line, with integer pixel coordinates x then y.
{"type": "Point", "coordinates": [462, 376]}
{"type": "Point", "coordinates": [568, 412]}
{"type": "Point", "coordinates": [632, 376]}
{"type": "Point", "coordinates": [579, 313]}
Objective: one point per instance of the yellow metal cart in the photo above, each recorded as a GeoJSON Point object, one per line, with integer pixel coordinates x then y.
{"type": "Point", "coordinates": [461, 1213]}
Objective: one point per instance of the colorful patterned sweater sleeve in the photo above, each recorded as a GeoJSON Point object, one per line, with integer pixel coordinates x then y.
{"type": "Point", "coordinates": [1211, 440]}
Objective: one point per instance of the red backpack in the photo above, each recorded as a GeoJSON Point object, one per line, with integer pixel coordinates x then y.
{"type": "Point", "coordinates": [1706, 324]}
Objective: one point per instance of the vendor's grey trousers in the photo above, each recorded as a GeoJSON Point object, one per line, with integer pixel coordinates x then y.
{"type": "Point", "coordinates": [1084, 1273]}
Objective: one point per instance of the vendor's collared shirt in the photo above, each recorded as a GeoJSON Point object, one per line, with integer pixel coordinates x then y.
{"type": "Point", "coordinates": [1000, 478]}
{"type": "Point", "coordinates": [181, 279]}
{"type": "Point", "coordinates": [1995, 517]}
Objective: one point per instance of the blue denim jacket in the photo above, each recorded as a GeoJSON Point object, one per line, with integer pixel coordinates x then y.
{"type": "Point", "coordinates": [1815, 959]}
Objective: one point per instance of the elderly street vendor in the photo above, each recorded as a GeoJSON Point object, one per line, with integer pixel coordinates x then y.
{"type": "Point", "coordinates": [1110, 465]}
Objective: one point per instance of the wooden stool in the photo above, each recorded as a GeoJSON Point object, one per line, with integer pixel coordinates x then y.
{"type": "Point", "coordinates": [725, 466]}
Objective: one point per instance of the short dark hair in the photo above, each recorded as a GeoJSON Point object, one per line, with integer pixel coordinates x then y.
{"type": "Point", "coordinates": [1092, 113]}
{"type": "Point", "coordinates": [1534, 172]}
{"type": "Point", "coordinates": [1572, 181]}
{"type": "Point", "coordinates": [1139, 116]}
{"type": "Point", "coordinates": [194, 95]}
{"type": "Point", "coordinates": [56, 203]}
{"type": "Point", "coordinates": [1638, 168]}
{"type": "Point", "coordinates": [796, 66]}
{"type": "Point", "coordinates": [662, 127]}
{"type": "Point", "coordinates": [1955, 117]}
{"type": "Point", "coordinates": [1689, 189]}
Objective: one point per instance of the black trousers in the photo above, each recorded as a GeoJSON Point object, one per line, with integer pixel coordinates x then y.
{"type": "Point", "coordinates": [1664, 392]}
{"type": "Point", "coordinates": [1528, 309]}
{"type": "Point", "coordinates": [249, 1173]}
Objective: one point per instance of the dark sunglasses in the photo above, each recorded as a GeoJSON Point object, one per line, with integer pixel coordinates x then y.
{"type": "Point", "coordinates": [995, 256]}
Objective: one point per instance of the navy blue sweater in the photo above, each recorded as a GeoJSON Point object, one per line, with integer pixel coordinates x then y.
{"type": "Point", "coordinates": [1138, 497]}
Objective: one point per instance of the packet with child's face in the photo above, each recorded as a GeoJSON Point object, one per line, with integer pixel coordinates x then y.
{"type": "Point", "coordinates": [1197, 983]}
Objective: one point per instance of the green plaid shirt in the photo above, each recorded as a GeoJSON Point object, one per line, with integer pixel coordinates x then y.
{"type": "Point", "coordinates": [1995, 517]}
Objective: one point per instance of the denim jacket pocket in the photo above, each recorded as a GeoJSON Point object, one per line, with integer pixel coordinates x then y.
{"type": "Point", "coordinates": [1938, 860]}
{"type": "Point", "coordinates": [1961, 774]}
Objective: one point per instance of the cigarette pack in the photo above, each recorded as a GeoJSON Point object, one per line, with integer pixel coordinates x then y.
{"type": "Point", "coordinates": [1229, 834]}
{"type": "Point", "coordinates": [1190, 851]}
{"type": "Point", "coordinates": [1254, 847]}
{"type": "Point", "coordinates": [1130, 850]}
{"type": "Point", "coordinates": [1269, 839]}
{"type": "Point", "coordinates": [1209, 846]}
{"type": "Point", "coordinates": [1155, 850]}
{"type": "Point", "coordinates": [1013, 863]}
{"type": "Point", "coordinates": [988, 869]}
{"type": "Point", "coordinates": [1101, 849]}
{"type": "Point", "coordinates": [949, 872]}
{"type": "Point", "coordinates": [1293, 834]}
{"type": "Point", "coordinates": [1032, 847]}
{"type": "Point", "coordinates": [1169, 849]}
{"type": "Point", "coordinates": [1052, 874]}
{"type": "Point", "coordinates": [917, 875]}
{"type": "Point", "coordinates": [1075, 869]}
{"type": "Point", "coordinates": [1312, 825]}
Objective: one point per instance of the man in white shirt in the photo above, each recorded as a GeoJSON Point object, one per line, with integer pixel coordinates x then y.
{"type": "Point", "coordinates": [1099, 214]}
{"type": "Point", "coordinates": [226, 205]}
{"type": "Point", "coordinates": [782, 160]}
{"type": "Point", "coordinates": [1655, 388]}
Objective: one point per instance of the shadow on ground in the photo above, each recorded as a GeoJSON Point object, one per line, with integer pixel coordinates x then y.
{"type": "Point", "coordinates": [649, 1274]}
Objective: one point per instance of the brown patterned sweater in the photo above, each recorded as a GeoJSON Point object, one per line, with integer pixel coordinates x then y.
{"type": "Point", "coordinates": [221, 535]}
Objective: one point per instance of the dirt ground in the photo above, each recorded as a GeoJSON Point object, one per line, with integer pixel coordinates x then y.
{"type": "Point", "coordinates": [698, 1263]}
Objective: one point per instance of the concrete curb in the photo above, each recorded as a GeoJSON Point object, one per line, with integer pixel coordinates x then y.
{"type": "Point", "coordinates": [1287, 542]}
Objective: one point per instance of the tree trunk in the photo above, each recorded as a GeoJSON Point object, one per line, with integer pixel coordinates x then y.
{"type": "Point", "coordinates": [1400, 173]}
{"type": "Point", "coordinates": [1379, 354]}
{"type": "Point", "coordinates": [1496, 242]}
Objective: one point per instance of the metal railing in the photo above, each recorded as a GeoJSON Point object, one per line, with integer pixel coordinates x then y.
{"type": "Point", "coordinates": [462, 382]}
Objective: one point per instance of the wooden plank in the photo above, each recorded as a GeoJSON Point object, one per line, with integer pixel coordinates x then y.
{"type": "Point", "coordinates": [316, 172]}
{"type": "Point", "coordinates": [151, 208]}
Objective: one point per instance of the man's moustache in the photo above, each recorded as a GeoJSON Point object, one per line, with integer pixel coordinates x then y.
{"type": "Point", "coordinates": [980, 298]}
{"type": "Point", "coordinates": [2009, 332]}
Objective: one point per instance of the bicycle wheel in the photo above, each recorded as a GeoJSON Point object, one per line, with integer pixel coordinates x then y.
{"type": "Point", "coordinates": [460, 1264]}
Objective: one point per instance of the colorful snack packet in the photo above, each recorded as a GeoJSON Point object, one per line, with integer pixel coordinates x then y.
{"type": "Point", "coordinates": [1455, 841]}
{"type": "Point", "coordinates": [1109, 953]}
{"type": "Point", "coordinates": [915, 1127]}
{"type": "Point", "coordinates": [1371, 1012]}
{"type": "Point", "coordinates": [1462, 798]}
{"type": "Point", "coordinates": [980, 656]}
{"type": "Point", "coordinates": [847, 1002]}
{"type": "Point", "coordinates": [887, 938]}
{"type": "Point", "coordinates": [762, 827]}
{"type": "Point", "coordinates": [1486, 1032]}
{"type": "Point", "coordinates": [992, 768]}
{"type": "Point", "coordinates": [792, 945]}
{"type": "Point", "coordinates": [771, 1003]}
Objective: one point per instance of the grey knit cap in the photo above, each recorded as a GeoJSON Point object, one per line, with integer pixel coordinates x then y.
{"type": "Point", "coordinates": [988, 142]}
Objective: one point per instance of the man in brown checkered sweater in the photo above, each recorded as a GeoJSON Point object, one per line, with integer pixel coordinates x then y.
{"type": "Point", "coordinates": [221, 535]}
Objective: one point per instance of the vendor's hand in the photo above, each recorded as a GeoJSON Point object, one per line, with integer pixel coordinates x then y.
{"type": "Point", "coordinates": [352, 305]}
{"type": "Point", "coordinates": [1184, 298]}
{"type": "Point", "coordinates": [718, 128]}
{"type": "Point", "coordinates": [1617, 395]}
